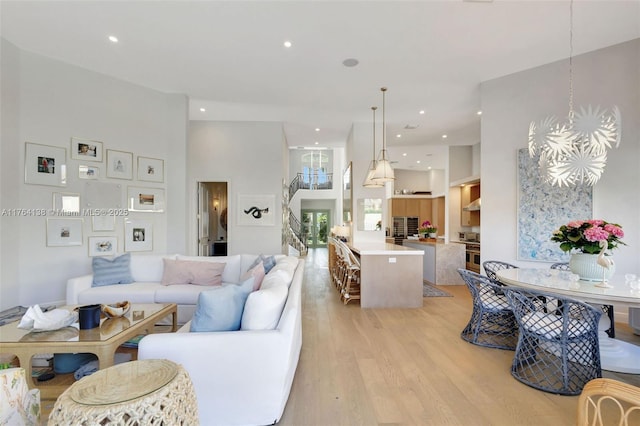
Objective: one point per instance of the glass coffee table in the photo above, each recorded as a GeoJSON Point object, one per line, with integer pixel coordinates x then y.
{"type": "Point", "coordinates": [103, 341]}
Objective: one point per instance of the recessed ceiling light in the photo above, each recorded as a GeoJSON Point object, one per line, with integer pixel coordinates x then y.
{"type": "Point", "coordinates": [418, 161]}
{"type": "Point", "coordinates": [421, 112]}
{"type": "Point", "coordinates": [350, 62]}
{"type": "Point", "coordinates": [317, 129]}
{"type": "Point", "coordinates": [398, 135]}
{"type": "Point", "coordinates": [479, 112]}
{"type": "Point", "coordinates": [202, 110]}
{"type": "Point", "coordinates": [429, 168]}
{"type": "Point", "coordinates": [287, 43]}
{"type": "Point", "coordinates": [317, 142]}
{"type": "Point", "coordinates": [444, 136]}
{"type": "Point", "coordinates": [113, 39]}
{"type": "Point", "coordinates": [404, 154]}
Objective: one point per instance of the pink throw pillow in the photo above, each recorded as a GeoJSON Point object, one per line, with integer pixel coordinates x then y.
{"type": "Point", "coordinates": [192, 272]}
{"type": "Point", "coordinates": [257, 272]}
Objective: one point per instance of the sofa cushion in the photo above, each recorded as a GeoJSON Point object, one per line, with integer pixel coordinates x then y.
{"type": "Point", "coordinates": [111, 271]}
{"type": "Point", "coordinates": [231, 273]}
{"type": "Point", "coordinates": [181, 294]}
{"type": "Point", "coordinates": [263, 308]}
{"type": "Point", "coordinates": [287, 268]}
{"type": "Point", "coordinates": [192, 272]}
{"type": "Point", "coordinates": [135, 293]}
{"type": "Point", "coordinates": [257, 272]}
{"type": "Point", "coordinates": [219, 309]}
{"type": "Point", "coordinates": [148, 268]}
{"type": "Point", "coordinates": [275, 278]}
{"type": "Point", "coordinates": [267, 261]}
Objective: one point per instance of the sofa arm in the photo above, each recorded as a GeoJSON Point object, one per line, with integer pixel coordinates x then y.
{"type": "Point", "coordinates": [77, 285]}
{"type": "Point", "coordinates": [231, 371]}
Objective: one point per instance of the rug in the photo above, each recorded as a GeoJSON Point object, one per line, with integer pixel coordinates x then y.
{"type": "Point", "coordinates": [431, 291]}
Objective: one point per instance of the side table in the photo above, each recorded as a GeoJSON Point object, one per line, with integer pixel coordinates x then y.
{"type": "Point", "coordinates": [151, 391]}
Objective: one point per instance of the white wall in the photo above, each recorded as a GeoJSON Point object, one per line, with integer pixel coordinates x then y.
{"type": "Point", "coordinates": [248, 155]}
{"type": "Point", "coordinates": [605, 77]}
{"type": "Point", "coordinates": [51, 102]}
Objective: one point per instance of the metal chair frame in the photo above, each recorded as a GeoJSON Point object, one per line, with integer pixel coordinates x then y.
{"type": "Point", "coordinates": [558, 348]}
{"type": "Point", "coordinates": [492, 323]}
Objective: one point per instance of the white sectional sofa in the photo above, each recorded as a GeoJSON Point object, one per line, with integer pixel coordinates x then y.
{"type": "Point", "coordinates": [146, 271]}
{"type": "Point", "coordinates": [240, 377]}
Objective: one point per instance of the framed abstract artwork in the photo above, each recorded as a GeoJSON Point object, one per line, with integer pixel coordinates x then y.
{"type": "Point", "coordinates": [543, 208]}
{"type": "Point", "coordinates": [256, 210]}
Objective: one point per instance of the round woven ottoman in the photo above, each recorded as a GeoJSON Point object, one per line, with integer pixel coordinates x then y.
{"type": "Point", "coordinates": [145, 392]}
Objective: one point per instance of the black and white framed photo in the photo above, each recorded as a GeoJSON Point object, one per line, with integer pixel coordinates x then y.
{"type": "Point", "coordinates": [119, 164]}
{"type": "Point", "coordinates": [66, 203]}
{"type": "Point", "coordinates": [88, 172]}
{"type": "Point", "coordinates": [86, 150]}
{"type": "Point", "coordinates": [145, 199]}
{"type": "Point", "coordinates": [103, 222]}
{"type": "Point", "coordinates": [256, 210]}
{"type": "Point", "coordinates": [138, 235]}
{"type": "Point", "coordinates": [103, 246]}
{"type": "Point", "coordinates": [150, 169]}
{"type": "Point", "coordinates": [45, 165]}
{"type": "Point", "coordinates": [64, 232]}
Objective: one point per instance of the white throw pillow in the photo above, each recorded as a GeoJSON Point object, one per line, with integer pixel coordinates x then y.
{"type": "Point", "coordinates": [263, 308]}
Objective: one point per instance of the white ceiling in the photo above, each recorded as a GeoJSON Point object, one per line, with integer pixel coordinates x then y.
{"type": "Point", "coordinates": [228, 56]}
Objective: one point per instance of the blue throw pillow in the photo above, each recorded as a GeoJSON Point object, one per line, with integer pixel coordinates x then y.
{"type": "Point", "coordinates": [108, 272]}
{"type": "Point", "coordinates": [268, 263]}
{"type": "Point", "coordinates": [220, 309]}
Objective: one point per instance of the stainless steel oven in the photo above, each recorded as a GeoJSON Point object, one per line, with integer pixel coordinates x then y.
{"type": "Point", "coordinates": [472, 254]}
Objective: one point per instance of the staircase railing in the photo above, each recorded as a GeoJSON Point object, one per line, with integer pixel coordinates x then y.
{"type": "Point", "coordinates": [313, 181]}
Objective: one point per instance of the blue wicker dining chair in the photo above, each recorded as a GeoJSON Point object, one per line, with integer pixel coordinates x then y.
{"type": "Point", "coordinates": [607, 309]}
{"type": "Point", "coordinates": [493, 266]}
{"type": "Point", "coordinates": [492, 323]}
{"type": "Point", "coordinates": [558, 349]}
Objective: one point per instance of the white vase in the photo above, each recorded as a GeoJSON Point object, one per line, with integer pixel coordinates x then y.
{"type": "Point", "coordinates": [586, 266]}
{"type": "Point", "coordinates": [432, 235]}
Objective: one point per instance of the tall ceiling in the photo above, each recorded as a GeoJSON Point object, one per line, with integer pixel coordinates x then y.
{"type": "Point", "coordinates": [228, 57]}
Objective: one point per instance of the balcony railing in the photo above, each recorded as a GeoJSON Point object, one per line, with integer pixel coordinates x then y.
{"type": "Point", "coordinates": [313, 181]}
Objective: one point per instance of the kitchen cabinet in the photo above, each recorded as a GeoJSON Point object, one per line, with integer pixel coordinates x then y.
{"type": "Point", "coordinates": [469, 193]}
{"type": "Point", "coordinates": [422, 208]}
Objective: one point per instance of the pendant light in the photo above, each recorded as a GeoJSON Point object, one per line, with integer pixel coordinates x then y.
{"type": "Point", "coordinates": [384, 171]}
{"type": "Point", "coordinates": [368, 181]}
{"type": "Point", "coordinates": [574, 152]}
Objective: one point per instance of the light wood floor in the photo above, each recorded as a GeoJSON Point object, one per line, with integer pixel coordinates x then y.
{"type": "Point", "coordinates": [408, 366]}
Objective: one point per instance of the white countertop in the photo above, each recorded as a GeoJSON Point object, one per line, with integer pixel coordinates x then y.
{"type": "Point", "coordinates": [381, 248]}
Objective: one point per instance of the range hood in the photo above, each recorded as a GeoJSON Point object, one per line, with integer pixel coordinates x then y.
{"type": "Point", "coordinates": [472, 206]}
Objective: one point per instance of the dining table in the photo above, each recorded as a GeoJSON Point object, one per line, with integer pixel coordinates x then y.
{"type": "Point", "coordinates": [615, 354]}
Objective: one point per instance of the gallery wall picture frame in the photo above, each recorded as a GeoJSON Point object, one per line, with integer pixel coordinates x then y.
{"type": "Point", "coordinates": [103, 246]}
{"type": "Point", "coordinates": [88, 172]}
{"type": "Point", "coordinates": [64, 232]}
{"type": "Point", "coordinates": [256, 210]}
{"type": "Point", "coordinates": [150, 169]}
{"type": "Point", "coordinates": [45, 165]}
{"type": "Point", "coordinates": [138, 235]}
{"type": "Point", "coordinates": [103, 223]}
{"type": "Point", "coordinates": [86, 149]}
{"type": "Point", "coordinates": [141, 199]}
{"type": "Point", "coordinates": [66, 203]}
{"type": "Point", "coordinates": [119, 164]}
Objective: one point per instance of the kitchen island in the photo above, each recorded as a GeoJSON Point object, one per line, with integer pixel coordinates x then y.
{"type": "Point", "coordinates": [390, 275]}
{"type": "Point", "coordinates": [441, 261]}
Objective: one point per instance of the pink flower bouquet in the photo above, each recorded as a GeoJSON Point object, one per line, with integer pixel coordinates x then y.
{"type": "Point", "coordinates": [585, 235]}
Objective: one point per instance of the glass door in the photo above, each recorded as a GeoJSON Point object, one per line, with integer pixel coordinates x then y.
{"type": "Point", "coordinates": [315, 225]}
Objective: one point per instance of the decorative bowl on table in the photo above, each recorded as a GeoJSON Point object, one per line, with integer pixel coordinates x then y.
{"type": "Point", "coordinates": [116, 310]}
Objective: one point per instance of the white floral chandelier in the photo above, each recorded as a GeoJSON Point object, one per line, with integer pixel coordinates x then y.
{"type": "Point", "coordinates": [574, 152]}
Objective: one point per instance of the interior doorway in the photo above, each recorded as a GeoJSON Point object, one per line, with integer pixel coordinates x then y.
{"type": "Point", "coordinates": [316, 227]}
{"type": "Point", "coordinates": [212, 219]}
